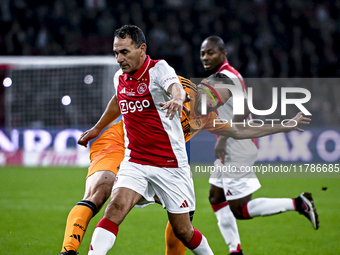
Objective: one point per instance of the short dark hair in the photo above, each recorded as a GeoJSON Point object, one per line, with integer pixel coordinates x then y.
{"type": "Point", "coordinates": [135, 33]}
{"type": "Point", "coordinates": [220, 77]}
{"type": "Point", "coordinates": [218, 40]}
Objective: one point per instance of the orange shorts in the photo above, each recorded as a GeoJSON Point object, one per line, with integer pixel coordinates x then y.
{"type": "Point", "coordinates": [107, 152]}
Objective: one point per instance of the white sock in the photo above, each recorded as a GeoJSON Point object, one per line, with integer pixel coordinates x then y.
{"type": "Point", "coordinates": [269, 206]}
{"type": "Point", "coordinates": [203, 248]}
{"type": "Point", "coordinates": [101, 242]}
{"type": "Point", "coordinates": [228, 227]}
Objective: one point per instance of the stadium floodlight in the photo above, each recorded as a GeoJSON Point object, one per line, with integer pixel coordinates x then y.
{"type": "Point", "coordinates": [66, 100]}
{"type": "Point", "coordinates": [35, 87]}
{"type": "Point", "coordinates": [7, 82]}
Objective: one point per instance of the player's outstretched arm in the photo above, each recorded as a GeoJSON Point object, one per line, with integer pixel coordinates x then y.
{"type": "Point", "coordinates": [176, 104]}
{"type": "Point", "coordinates": [111, 113]}
{"type": "Point", "coordinates": [240, 131]}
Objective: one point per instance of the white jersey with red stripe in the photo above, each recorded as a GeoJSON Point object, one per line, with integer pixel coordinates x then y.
{"type": "Point", "coordinates": [150, 137]}
{"type": "Point", "coordinates": [239, 152]}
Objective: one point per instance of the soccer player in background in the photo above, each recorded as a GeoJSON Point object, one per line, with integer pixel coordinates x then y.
{"type": "Point", "coordinates": [231, 196]}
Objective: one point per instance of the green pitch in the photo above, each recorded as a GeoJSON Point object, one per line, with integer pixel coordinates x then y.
{"type": "Point", "coordinates": [35, 202]}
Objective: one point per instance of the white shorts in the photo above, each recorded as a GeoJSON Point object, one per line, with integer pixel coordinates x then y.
{"type": "Point", "coordinates": [173, 186]}
{"type": "Point", "coordinates": [235, 185]}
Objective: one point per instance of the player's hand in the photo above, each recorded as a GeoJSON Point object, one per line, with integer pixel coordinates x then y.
{"type": "Point", "coordinates": [185, 109]}
{"type": "Point", "coordinates": [87, 136]}
{"type": "Point", "coordinates": [172, 106]}
{"type": "Point", "coordinates": [220, 147]}
{"type": "Point", "coordinates": [294, 123]}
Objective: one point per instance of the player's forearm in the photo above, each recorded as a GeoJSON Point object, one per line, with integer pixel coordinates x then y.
{"type": "Point", "coordinates": [247, 132]}
{"type": "Point", "coordinates": [240, 131]}
{"type": "Point", "coordinates": [111, 113]}
{"type": "Point", "coordinates": [177, 92]}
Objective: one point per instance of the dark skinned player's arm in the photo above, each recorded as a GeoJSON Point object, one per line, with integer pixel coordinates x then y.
{"type": "Point", "coordinates": [240, 131]}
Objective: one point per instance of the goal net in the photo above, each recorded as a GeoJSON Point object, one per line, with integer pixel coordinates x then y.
{"type": "Point", "coordinates": [47, 102]}
{"type": "Point", "coordinates": [56, 92]}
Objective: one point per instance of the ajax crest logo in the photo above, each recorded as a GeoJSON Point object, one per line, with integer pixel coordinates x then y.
{"type": "Point", "coordinates": [142, 88]}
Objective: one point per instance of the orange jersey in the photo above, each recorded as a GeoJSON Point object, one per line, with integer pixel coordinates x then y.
{"type": "Point", "coordinates": [107, 152]}
{"type": "Point", "coordinates": [193, 123]}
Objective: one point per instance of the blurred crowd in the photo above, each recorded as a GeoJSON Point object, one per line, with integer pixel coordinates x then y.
{"type": "Point", "coordinates": [293, 38]}
{"type": "Point", "coordinates": [264, 38]}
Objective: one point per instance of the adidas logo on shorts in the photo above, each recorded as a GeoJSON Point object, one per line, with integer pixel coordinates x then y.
{"type": "Point", "coordinates": [184, 204]}
{"type": "Point", "coordinates": [229, 193]}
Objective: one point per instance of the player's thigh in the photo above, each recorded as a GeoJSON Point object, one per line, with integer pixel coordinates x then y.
{"type": "Point", "coordinates": [239, 192]}
{"type": "Point", "coordinates": [98, 186]}
{"type": "Point", "coordinates": [174, 188]}
{"type": "Point", "coordinates": [121, 202]}
{"type": "Point", "coordinates": [216, 195]}
{"type": "Point", "coordinates": [134, 176]}
{"type": "Point", "coordinates": [237, 188]}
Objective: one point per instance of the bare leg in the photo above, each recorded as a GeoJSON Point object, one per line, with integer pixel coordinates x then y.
{"type": "Point", "coordinates": [191, 238]}
{"type": "Point", "coordinates": [104, 236]}
{"type": "Point", "coordinates": [97, 190]}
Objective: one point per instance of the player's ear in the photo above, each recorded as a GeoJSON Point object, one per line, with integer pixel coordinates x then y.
{"type": "Point", "coordinates": [143, 48]}
{"type": "Point", "coordinates": [224, 54]}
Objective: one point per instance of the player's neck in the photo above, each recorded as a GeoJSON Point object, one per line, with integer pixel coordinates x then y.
{"type": "Point", "coordinates": [143, 59]}
{"type": "Point", "coordinates": [210, 72]}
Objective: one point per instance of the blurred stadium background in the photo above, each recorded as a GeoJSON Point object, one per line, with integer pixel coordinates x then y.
{"type": "Point", "coordinates": [56, 70]}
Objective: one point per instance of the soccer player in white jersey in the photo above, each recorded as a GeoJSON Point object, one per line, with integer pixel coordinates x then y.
{"type": "Point", "coordinates": [155, 158]}
{"type": "Point", "coordinates": [232, 195]}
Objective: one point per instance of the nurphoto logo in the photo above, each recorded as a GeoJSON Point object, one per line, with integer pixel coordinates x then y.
{"type": "Point", "coordinates": [238, 103]}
